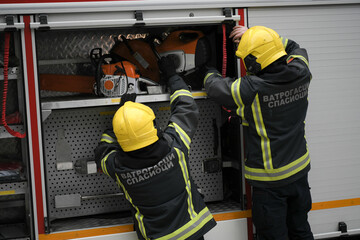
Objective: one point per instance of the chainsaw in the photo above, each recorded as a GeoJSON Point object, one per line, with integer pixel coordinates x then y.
{"type": "Point", "coordinates": [115, 77]}
{"type": "Point", "coordinates": [188, 48]}
{"type": "Point", "coordinates": [131, 66]}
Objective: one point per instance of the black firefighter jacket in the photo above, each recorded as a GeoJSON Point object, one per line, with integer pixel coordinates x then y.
{"type": "Point", "coordinates": [272, 106]}
{"type": "Point", "coordinates": [156, 179]}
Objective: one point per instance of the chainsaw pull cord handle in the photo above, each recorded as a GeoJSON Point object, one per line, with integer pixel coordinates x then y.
{"type": "Point", "coordinates": [224, 62]}
{"type": "Point", "coordinates": [6, 76]}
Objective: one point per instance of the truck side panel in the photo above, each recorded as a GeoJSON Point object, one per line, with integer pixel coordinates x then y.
{"type": "Point", "coordinates": [331, 35]}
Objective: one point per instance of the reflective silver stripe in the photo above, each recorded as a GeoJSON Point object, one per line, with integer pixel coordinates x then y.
{"type": "Point", "coordinates": [300, 57]}
{"type": "Point", "coordinates": [178, 93]}
{"type": "Point", "coordinates": [185, 172]}
{"type": "Point", "coordinates": [184, 137]}
{"type": "Point", "coordinates": [284, 41]}
{"type": "Point", "coordinates": [235, 92]}
{"type": "Point", "coordinates": [191, 227]}
{"type": "Point", "coordinates": [278, 174]}
{"type": "Point", "coordinates": [107, 138]}
{"type": "Point", "coordinates": [260, 128]}
{"type": "Point", "coordinates": [139, 217]}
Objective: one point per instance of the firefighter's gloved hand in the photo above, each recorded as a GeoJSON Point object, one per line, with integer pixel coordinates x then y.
{"type": "Point", "coordinates": [167, 67]}
{"type": "Point", "coordinates": [127, 97]}
{"type": "Point", "coordinates": [237, 33]}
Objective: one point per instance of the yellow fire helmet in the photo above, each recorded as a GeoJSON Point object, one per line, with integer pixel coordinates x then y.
{"type": "Point", "coordinates": [259, 47]}
{"type": "Point", "coordinates": [133, 125]}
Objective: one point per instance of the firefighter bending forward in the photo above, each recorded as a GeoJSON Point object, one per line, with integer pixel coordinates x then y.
{"type": "Point", "coordinates": [152, 167]}
{"type": "Point", "coordinates": [272, 102]}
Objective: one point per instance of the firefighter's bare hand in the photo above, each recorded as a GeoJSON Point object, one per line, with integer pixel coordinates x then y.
{"type": "Point", "coordinates": [237, 33]}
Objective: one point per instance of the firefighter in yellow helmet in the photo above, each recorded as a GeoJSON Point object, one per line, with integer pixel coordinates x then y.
{"type": "Point", "coordinates": [272, 101]}
{"type": "Point", "coordinates": [152, 167]}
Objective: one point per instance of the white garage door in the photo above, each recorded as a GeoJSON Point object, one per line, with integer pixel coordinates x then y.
{"type": "Point", "coordinates": [331, 34]}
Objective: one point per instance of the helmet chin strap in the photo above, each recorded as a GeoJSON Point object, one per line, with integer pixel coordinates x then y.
{"type": "Point", "coordinates": [251, 65]}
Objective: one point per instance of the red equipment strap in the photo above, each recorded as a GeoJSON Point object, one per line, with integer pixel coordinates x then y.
{"type": "Point", "coordinates": [6, 70]}
{"type": "Point", "coordinates": [224, 52]}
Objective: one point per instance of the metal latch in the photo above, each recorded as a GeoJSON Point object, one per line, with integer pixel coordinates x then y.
{"type": "Point", "coordinates": [43, 19]}
{"type": "Point", "coordinates": [10, 23]}
{"type": "Point", "coordinates": [139, 18]}
{"type": "Point", "coordinates": [228, 14]}
{"type": "Point", "coordinates": [342, 227]}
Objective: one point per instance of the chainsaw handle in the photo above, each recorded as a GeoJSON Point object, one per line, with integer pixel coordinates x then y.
{"type": "Point", "coordinates": [95, 55]}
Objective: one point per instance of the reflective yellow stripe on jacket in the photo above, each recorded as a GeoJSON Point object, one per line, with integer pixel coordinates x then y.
{"type": "Point", "coordinates": [279, 173]}
{"type": "Point", "coordinates": [235, 92]}
{"type": "Point", "coordinates": [284, 41]}
{"type": "Point", "coordinates": [300, 57]}
{"type": "Point", "coordinates": [191, 227]}
{"type": "Point", "coordinates": [103, 162]}
{"type": "Point", "coordinates": [185, 172]}
{"type": "Point", "coordinates": [181, 92]}
{"type": "Point", "coordinates": [208, 75]}
{"type": "Point", "coordinates": [184, 137]}
{"type": "Point", "coordinates": [107, 138]}
{"type": "Point", "coordinates": [261, 131]}
{"type": "Point", "coordinates": [139, 217]}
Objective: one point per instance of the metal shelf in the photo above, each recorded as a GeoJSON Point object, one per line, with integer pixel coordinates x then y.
{"type": "Point", "coordinates": [5, 134]}
{"type": "Point", "coordinates": [50, 104]}
{"type": "Point", "coordinates": [13, 188]}
{"type": "Point", "coordinates": [12, 73]}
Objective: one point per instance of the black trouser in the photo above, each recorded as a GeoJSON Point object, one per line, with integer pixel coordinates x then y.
{"type": "Point", "coordinates": [281, 213]}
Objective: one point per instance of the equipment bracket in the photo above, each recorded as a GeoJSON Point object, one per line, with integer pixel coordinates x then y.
{"type": "Point", "coordinates": [139, 18]}
{"type": "Point", "coordinates": [46, 225]}
{"type": "Point", "coordinates": [228, 15]}
{"type": "Point", "coordinates": [342, 227]}
{"type": "Point", "coordinates": [227, 12]}
{"type": "Point", "coordinates": [43, 19]}
{"type": "Point", "coordinates": [10, 23]}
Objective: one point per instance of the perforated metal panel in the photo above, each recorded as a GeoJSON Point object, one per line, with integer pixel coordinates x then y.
{"type": "Point", "coordinates": [83, 128]}
{"type": "Point", "coordinates": [19, 187]}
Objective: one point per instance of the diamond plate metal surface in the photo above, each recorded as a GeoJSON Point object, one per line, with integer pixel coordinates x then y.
{"type": "Point", "coordinates": [67, 46]}
{"type": "Point", "coordinates": [83, 128]}
{"type": "Point", "coordinates": [73, 44]}
{"type": "Point", "coordinates": [72, 49]}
